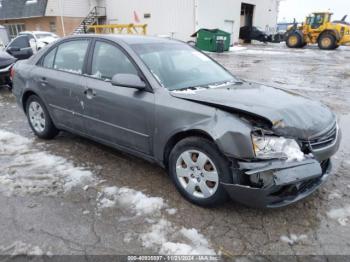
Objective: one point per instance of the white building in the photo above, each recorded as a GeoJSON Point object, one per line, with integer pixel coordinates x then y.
{"type": "Point", "coordinates": [181, 18]}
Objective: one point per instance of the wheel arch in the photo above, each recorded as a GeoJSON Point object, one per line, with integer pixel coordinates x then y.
{"type": "Point", "coordinates": [175, 138]}
{"type": "Point", "coordinates": [25, 98]}
{"type": "Point", "coordinates": [28, 93]}
{"type": "Point", "coordinates": [332, 32]}
{"type": "Point", "coordinates": [290, 32]}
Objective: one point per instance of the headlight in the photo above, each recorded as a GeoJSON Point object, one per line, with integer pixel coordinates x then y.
{"type": "Point", "coordinates": [272, 147]}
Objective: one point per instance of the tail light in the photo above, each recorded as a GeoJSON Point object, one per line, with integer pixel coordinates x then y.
{"type": "Point", "coordinates": [12, 73]}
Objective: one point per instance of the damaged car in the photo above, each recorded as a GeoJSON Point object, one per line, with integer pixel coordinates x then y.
{"type": "Point", "coordinates": [218, 137]}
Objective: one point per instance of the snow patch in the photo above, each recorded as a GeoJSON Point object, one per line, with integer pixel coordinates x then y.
{"type": "Point", "coordinates": [19, 248]}
{"type": "Point", "coordinates": [293, 239]}
{"type": "Point", "coordinates": [126, 197]}
{"type": "Point", "coordinates": [237, 48]}
{"type": "Point", "coordinates": [334, 195]}
{"type": "Point", "coordinates": [27, 170]}
{"type": "Point", "coordinates": [263, 52]}
{"type": "Point", "coordinates": [340, 214]}
{"type": "Point", "coordinates": [189, 91]}
{"type": "Point", "coordinates": [194, 243]}
{"type": "Point", "coordinates": [171, 211]}
{"type": "Point", "coordinates": [162, 235]}
{"type": "Point", "coordinates": [186, 91]}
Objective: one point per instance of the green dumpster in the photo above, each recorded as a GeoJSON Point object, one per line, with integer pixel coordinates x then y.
{"type": "Point", "coordinates": [213, 40]}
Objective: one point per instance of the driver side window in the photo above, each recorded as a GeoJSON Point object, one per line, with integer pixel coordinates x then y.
{"type": "Point", "coordinates": [316, 21]}
{"type": "Point", "coordinates": [108, 60]}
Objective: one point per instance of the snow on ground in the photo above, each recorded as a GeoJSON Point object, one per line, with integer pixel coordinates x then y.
{"type": "Point", "coordinates": [19, 248]}
{"type": "Point", "coordinates": [262, 52]}
{"type": "Point", "coordinates": [237, 48]}
{"type": "Point", "coordinates": [293, 239]}
{"type": "Point", "coordinates": [342, 215]}
{"type": "Point", "coordinates": [160, 234]}
{"type": "Point", "coordinates": [336, 194]}
{"type": "Point", "coordinates": [27, 170]}
{"type": "Point", "coordinates": [126, 197]}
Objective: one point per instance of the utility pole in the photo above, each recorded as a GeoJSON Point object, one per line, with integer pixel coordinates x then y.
{"type": "Point", "coordinates": [62, 19]}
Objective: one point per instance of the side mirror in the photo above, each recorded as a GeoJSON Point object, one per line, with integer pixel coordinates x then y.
{"type": "Point", "coordinates": [13, 49]}
{"type": "Point", "coordinates": [128, 80]}
{"type": "Point", "coordinates": [28, 53]}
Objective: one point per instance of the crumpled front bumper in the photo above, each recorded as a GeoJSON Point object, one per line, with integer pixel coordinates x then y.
{"type": "Point", "coordinates": [292, 182]}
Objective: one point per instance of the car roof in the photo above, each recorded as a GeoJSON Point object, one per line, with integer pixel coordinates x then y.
{"type": "Point", "coordinates": [327, 13]}
{"type": "Point", "coordinates": [36, 32]}
{"type": "Point", "coordinates": [128, 39]}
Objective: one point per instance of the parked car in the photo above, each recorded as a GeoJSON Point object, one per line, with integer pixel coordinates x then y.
{"type": "Point", "coordinates": [4, 37]}
{"type": "Point", "coordinates": [18, 49]}
{"type": "Point", "coordinates": [40, 39]}
{"type": "Point", "coordinates": [6, 63]}
{"type": "Point", "coordinates": [168, 103]}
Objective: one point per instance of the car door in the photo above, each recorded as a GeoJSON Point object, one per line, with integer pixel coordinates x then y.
{"type": "Point", "coordinates": [59, 77]}
{"type": "Point", "coordinates": [119, 115]}
{"type": "Point", "coordinates": [20, 47]}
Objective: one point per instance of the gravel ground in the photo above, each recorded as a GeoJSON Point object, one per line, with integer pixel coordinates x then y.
{"type": "Point", "coordinates": [73, 196]}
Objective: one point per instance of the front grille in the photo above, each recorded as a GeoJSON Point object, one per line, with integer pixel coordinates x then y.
{"type": "Point", "coordinates": [324, 140]}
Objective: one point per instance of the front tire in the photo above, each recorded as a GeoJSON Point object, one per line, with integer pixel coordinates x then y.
{"type": "Point", "coordinates": [39, 118]}
{"type": "Point", "coordinates": [294, 40]}
{"type": "Point", "coordinates": [197, 168]}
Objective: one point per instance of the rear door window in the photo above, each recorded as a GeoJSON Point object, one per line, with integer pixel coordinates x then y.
{"type": "Point", "coordinates": [70, 56]}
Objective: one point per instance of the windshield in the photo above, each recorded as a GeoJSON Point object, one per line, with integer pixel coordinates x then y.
{"type": "Point", "coordinates": [179, 66]}
{"type": "Point", "coordinates": [40, 36]}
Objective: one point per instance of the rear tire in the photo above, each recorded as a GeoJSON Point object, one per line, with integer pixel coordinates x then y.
{"type": "Point", "coordinates": [327, 42]}
{"type": "Point", "coordinates": [39, 118]}
{"type": "Point", "coordinates": [294, 40]}
{"type": "Point", "coordinates": [197, 169]}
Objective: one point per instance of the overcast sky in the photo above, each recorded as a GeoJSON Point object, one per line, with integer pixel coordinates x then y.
{"type": "Point", "coordinates": [298, 9]}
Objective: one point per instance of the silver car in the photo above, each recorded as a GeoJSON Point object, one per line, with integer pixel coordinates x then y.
{"type": "Point", "coordinates": [165, 101]}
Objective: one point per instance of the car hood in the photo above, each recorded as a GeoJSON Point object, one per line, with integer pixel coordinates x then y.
{"type": "Point", "coordinates": [289, 114]}
{"type": "Point", "coordinates": [6, 59]}
{"type": "Point", "coordinates": [47, 39]}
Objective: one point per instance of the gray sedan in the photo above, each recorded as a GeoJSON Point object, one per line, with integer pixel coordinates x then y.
{"type": "Point", "coordinates": [164, 101]}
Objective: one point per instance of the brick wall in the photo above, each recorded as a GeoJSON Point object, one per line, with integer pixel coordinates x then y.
{"type": "Point", "coordinates": [70, 24]}
{"type": "Point", "coordinates": [50, 24]}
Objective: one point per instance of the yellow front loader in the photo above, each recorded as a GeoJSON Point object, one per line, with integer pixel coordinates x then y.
{"type": "Point", "coordinates": [318, 29]}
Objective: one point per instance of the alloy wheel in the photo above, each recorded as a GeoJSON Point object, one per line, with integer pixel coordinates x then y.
{"type": "Point", "coordinates": [197, 174]}
{"type": "Point", "coordinates": [37, 117]}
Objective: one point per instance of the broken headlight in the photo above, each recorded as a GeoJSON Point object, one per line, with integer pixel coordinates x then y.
{"type": "Point", "coordinates": [273, 147]}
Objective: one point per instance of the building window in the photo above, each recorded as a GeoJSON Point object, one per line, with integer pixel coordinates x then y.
{"type": "Point", "coordinates": [0, 3]}
{"type": "Point", "coordinates": [14, 29]}
{"type": "Point", "coordinates": [28, 2]}
{"type": "Point", "coordinates": [53, 28]}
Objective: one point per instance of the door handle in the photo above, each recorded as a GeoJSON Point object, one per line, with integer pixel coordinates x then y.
{"type": "Point", "coordinates": [43, 81]}
{"type": "Point", "coordinates": [90, 93]}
